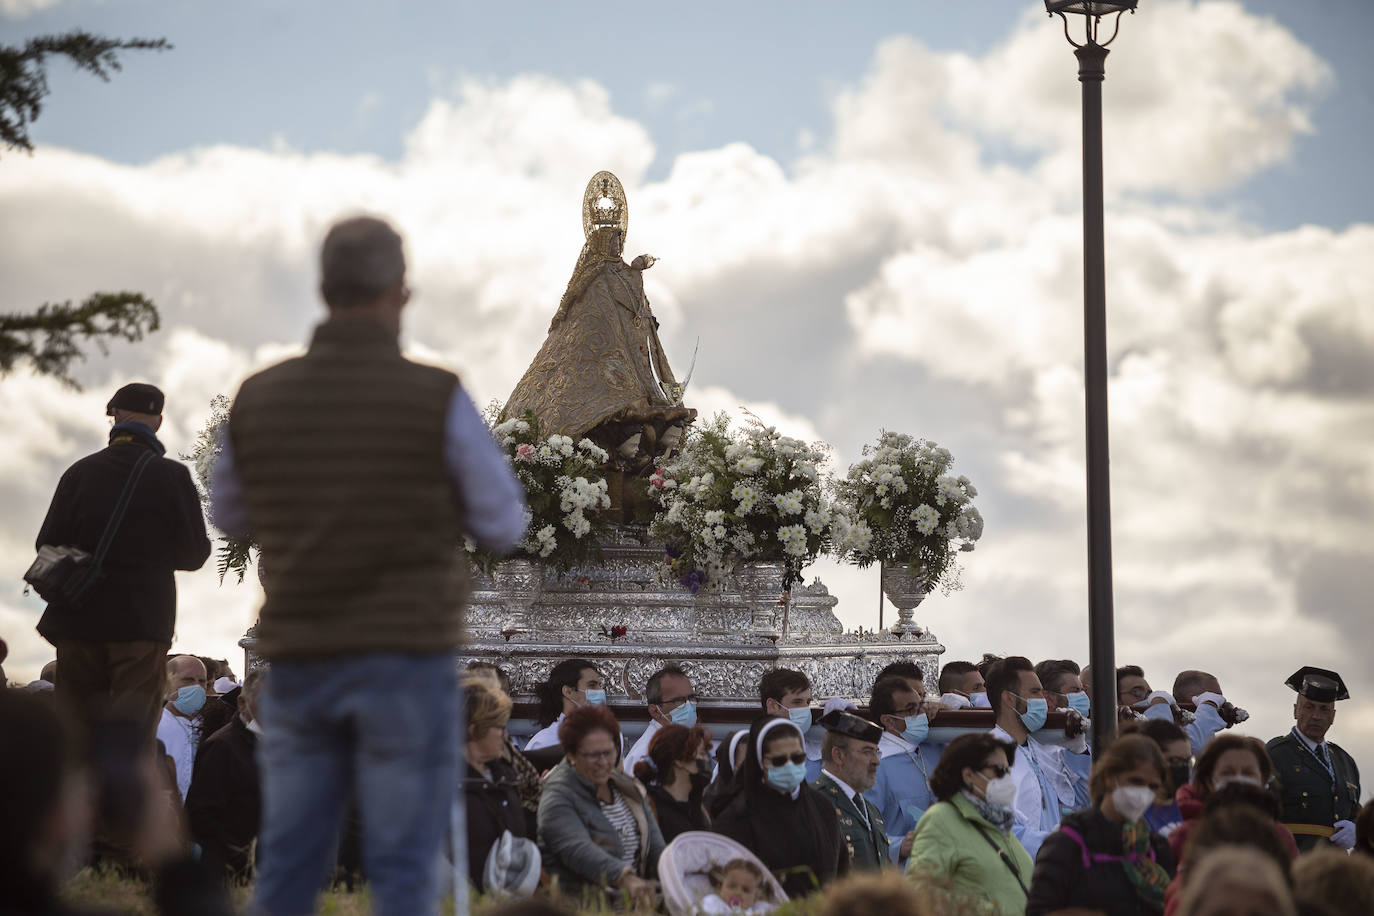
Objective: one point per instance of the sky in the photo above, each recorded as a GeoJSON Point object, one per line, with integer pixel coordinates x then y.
{"type": "Point", "coordinates": [869, 216]}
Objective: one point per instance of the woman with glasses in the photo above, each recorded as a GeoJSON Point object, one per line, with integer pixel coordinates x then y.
{"type": "Point", "coordinates": [964, 841]}
{"type": "Point", "coordinates": [676, 771]}
{"type": "Point", "coordinates": [1106, 858]}
{"type": "Point", "coordinates": [778, 817]}
{"type": "Point", "coordinates": [596, 829]}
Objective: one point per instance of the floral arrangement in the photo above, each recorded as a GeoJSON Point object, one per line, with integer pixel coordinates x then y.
{"type": "Point", "coordinates": [564, 488]}
{"type": "Point", "coordinates": [732, 496]}
{"type": "Point", "coordinates": [900, 504]}
{"type": "Point", "coordinates": [234, 554]}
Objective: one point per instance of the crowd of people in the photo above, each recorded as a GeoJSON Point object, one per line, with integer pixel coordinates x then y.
{"type": "Point", "coordinates": [201, 781]}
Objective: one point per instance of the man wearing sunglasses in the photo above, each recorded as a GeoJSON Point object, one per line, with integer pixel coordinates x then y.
{"type": "Point", "coordinates": [671, 701]}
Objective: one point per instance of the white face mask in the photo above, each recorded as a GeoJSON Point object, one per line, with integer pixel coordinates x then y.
{"type": "Point", "coordinates": [1131, 802]}
{"type": "Point", "coordinates": [1000, 791]}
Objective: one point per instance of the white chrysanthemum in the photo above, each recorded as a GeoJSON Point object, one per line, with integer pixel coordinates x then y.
{"type": "Point", "coordinates": [817, 520]}
{"type": "Point", "coordinates": [926, 518]}
{"type": "Point", "coordinates": [750, 464]}
{"type": "Point", "coordinates": [793, 540]}
{"type": "Point", "coordinates": [789, 503]}
{"type": "Point", "coordinates": [714, 517]}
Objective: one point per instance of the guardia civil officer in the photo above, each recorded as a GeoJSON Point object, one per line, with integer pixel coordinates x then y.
{"type": "Point", "coordinates": [1320, 782]}
{"type": "Point", "coordinates": [849, 764]}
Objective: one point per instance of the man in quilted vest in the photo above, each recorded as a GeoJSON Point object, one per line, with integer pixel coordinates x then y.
{"type": "Point", "coordinates": [358, 472]}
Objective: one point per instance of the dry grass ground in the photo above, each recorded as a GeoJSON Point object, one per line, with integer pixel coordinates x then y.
{"type": "Point", "coordinates": [111, 891]}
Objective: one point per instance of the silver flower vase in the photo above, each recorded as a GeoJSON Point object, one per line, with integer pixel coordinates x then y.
{"type": "Point", "coordinates": [519, 582]}
{"type": "Point", "coordinates": [906, 589]}
{"type": "Point", "coordinates": [760, 585]}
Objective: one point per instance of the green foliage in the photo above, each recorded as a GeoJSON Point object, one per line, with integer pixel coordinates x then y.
{"type": "Point", "coordinates": [51, 338]}
{"type": "Point", "coordinates": [24, 81]}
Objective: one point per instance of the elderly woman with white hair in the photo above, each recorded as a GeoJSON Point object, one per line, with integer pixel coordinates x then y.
{"type": "Point", "coordinates": [777, 816]}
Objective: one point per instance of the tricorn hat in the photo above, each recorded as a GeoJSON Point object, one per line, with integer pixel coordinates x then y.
{"type": "Point", "coordinates": [1318, 684]}
{"type": "Point", "coordinates": [137, 397]}
{"type": "Point", "coordinates": [852, 726]}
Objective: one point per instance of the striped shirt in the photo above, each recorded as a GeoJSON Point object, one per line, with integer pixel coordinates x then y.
{"type": "Point", "coordinates": [623, 820]}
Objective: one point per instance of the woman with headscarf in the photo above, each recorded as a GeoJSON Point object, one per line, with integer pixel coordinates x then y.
{"type": "Point", "coordinates": [1106, 858]}
{"type": "Point", "coordinates": [729, 761]}
{"type": "Point", "coordinates": [675, 771]}
{"type": "Point", "coordinates": [778, 817]}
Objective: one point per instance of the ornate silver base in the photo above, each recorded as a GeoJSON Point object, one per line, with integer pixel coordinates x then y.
{"type": "Point", "coordinates": [526, 619]}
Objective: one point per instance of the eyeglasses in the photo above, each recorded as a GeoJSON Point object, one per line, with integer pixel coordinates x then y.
{"type": "Point", "coordinates": [596, 755]}
{"type": "Point", "coordinates": [678, 701]}
{"type": "Point", "coordinates": [1138, 693]}
{"type": "Point", "coordinates": [779, 760]}
{"type": "Point", "coordinates": [998, 771]}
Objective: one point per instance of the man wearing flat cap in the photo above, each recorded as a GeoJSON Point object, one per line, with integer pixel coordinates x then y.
{"type": "Point", "coordinates": [849, 765]}
{"type": "Point", "coordinates": [1320, 782]}
{"type": "Point", "coordinates": [112, 641]}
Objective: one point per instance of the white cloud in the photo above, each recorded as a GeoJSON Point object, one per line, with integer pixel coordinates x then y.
{"type": "Point", "coordinates": [895, 276]}
{"type": "Point", "coordinates": [18, 9]}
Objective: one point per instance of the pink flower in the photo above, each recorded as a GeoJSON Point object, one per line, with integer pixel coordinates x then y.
{"type": "Point", "coordinates": [656, 482]}
{"type": "Point", "coordinates": [524, 452]}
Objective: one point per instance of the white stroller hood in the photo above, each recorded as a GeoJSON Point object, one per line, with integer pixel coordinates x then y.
{"type": "Point", "coordinates": [684, 869]}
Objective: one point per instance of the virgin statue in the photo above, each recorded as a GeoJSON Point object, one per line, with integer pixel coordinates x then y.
{"type": "Point", "coordinates": [602, 372]}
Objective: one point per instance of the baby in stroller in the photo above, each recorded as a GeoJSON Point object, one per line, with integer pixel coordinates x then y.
{"type": "Point", "coordinates": [740, 888]}
{"type": "Point", "coordinates": [706, 874]}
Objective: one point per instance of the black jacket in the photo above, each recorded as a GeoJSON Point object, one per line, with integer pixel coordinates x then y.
{"type": "Point", "coordinates": [1310, 797]}
{"type": "Point", "coordinates": [676, 817]}
{"type": "Point", "coordinates": [493, 807]}
{"type": "Point", "coordinates": [224, 801]}
{"type": "Point", "coordinates": [163, 530]}
{"type": "Point", "coordinates": [1060, 881]}
{"type": "Point", "coordinates": [798, 839]}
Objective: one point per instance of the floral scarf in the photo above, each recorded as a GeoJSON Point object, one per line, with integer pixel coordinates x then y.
{"type": "Point", "coordinates": [999, 816]}
{"type": "Point", "coordinates": [1147, 876]}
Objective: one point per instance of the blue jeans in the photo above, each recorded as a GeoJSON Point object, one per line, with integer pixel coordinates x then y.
{"type": "Point", "coordinates": [381, 728]}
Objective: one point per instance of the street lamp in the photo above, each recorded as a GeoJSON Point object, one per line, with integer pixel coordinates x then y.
{"type": "Point", "coordinates": [1092, 54]}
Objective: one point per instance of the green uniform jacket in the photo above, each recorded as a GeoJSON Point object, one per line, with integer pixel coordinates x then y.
{"type": "Point", "coordinates": [951, 841]}
{"type": "Point", "coordinates": [1311, 801]}
{"type": "Point", "coordinates": [865, 845]}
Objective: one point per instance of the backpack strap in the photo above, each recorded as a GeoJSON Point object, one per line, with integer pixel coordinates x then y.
{"type": "Point", "coordinates": [1001, 853]}
{"type": "Point", "coordinates": [93, 571]}
{"type": "Point", "coordinates": [1090, 858]}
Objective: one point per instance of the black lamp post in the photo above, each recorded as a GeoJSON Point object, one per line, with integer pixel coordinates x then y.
{"type": "Point", "coordinates": [1092, 55]}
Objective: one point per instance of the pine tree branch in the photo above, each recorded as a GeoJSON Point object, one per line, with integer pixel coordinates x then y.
{"type": "Point", "coordinates": [51, 339]}
{"type": "Point", "coordinates": [24, 81]}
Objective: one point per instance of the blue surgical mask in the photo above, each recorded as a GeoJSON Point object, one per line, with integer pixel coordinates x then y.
{"type": "Point", "coordinates": [801, 717]}
{"type": "Point", "coordinates": [1037, 710]}
{"type": "Point", "coordinates": [596, 698]}
{"type": "Point", "coordinates": [189, 700]}
{"type": "Point", "coordinates": [917, 727]}
{"type": "Point", "coordinates": [686, 714]}
{"type": "Point", "coordinates": [979, 700]}
{"type": "Point", "coordinates": [787, 777]}
{"type": "Point", "coordinates": [1079, 703]}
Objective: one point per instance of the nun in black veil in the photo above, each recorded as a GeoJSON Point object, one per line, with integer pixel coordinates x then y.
{"type": "Point", "coordinates": [778, 817]}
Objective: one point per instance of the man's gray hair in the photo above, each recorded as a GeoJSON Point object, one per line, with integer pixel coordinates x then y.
{"type": "Point", "coordinates": [252, 683]}
{"type": "Point", "coordinates": [360, 260]}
